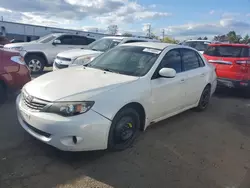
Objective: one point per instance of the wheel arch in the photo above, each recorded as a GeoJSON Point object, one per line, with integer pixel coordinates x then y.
{"type": "Point", "coordinates": [141, 111]}
{"type": "Point", "coordinates": [38, 54]}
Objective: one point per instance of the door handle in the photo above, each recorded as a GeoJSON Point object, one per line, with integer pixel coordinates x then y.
{"type": "Point", "coordinates": [202, 75]}
{"type": "Point", "coordinates": [182, 80]}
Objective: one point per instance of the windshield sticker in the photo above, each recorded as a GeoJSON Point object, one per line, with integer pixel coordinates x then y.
{"type": "Point", "coordinates": [150, 50]}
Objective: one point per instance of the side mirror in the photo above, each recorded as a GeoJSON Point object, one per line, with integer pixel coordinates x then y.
{"type": "Point", "coordinates": [56, 41]}
{"type": "Point", "coordinates": [167, 73]}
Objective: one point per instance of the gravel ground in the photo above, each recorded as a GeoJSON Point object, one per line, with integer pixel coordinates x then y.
{"type": "Point", "coordinates": [210, 149]}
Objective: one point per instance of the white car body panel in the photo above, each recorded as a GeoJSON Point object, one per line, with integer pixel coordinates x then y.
{"type": "Point", "coordinates": [160, 98]}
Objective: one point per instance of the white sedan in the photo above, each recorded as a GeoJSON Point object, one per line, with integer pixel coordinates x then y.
{"type": "Point", "coordinates": [121, 92]}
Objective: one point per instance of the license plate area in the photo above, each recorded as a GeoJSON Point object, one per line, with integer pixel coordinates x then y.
{"type": "Point", "coordinates": [226, 83]}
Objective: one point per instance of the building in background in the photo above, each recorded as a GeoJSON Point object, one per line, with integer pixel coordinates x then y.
{"type": "Point", "coordinates": [27, 32]}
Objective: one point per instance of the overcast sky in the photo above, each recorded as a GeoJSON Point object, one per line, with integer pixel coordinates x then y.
{"type": "Point", "coordinates": [179, 18]}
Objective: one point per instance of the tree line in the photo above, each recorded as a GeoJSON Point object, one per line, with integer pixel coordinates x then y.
{"type": "Point", "coordinates": [231, 37]}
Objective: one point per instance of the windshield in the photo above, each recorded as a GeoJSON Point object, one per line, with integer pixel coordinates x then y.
{"type": "Point", "coordinates": [128, 60]}
{"type": "Point", "coordinates": [104, 44]}
{"type": "Point", "coordinates": [227, 51]}
{"type": "Point", "coordinates": [198, 45]}
{"type": "Point", "coordinates": [46, 38]}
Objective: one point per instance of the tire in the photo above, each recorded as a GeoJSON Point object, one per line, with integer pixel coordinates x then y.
{"type": "Point", "coordinates": [204, 99]}
{"type": "Point", "coordinates": [35, 63]}
{"type": "Point", "coordinates": [3, 93]}
{"type": "Point", "coordinates": [124, 129]}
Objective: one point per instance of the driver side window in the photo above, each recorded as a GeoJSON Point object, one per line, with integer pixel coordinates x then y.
{"type": "Point", "coordinates": [172, 60]}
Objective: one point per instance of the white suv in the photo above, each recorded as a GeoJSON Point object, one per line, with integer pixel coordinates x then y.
{"type": "Point", "coordinates": [82, 56]}
{"type": "Point", "coordinates": [200, 45]}
{"type": "Point", "coordinates": [42, 52]}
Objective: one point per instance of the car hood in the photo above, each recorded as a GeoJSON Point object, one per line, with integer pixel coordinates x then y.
{"type": "Point", "coordinates": [72, 54]}
{"type": "Point", "coordinates": [12, 45]}
{"type": "Point", "coordinates": [76, 81]}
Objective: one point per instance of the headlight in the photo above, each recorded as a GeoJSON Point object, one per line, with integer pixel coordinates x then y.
{"type": "Point", "coordinates": [18, 59]}
{"type": "Point", "coordinates": [17, 48]}
{"type": "Point", "coordinates": [82, 60]}
{"type": "Point", "coordinates": [69, 108]}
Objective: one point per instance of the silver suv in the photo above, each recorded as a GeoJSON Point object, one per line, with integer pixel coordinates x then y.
{"type": "Point", "coordinates": [42, 52]}
{"type": "Point", "coordinates": [83, 56]}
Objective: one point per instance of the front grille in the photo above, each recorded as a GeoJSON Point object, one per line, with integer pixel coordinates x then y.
{"type": "Point", "coordinates": [60, 66]}
{"type": "Point", "coordinates": [47, 135]}
{"type": "Point", "coordinates": [63, 58]}
{"type": "Point", "coordinates": [33, 103]}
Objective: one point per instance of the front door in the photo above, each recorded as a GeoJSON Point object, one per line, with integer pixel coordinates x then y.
{"type": "Point", "coordinates": [168, 93]}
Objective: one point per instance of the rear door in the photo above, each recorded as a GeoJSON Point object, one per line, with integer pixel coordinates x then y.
{"type": "Point", "coordinates": [194, 67]}
{"type": "Point", "coordinates": [229, 61]}
{"type": "Point", "coordinates": [80, 41]}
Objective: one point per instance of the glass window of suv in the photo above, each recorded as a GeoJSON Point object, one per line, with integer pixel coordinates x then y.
{"type": "Point", "coordinates": [80, 40]}
{"type": "Point", "coordinates": [189, 59]}
{"type": "Point", "coordinates": [198, 45]}
{"type": "Point", "coordinates": [46, 39]}
{"type": "Point", "coordinates": [227, 51]}
{"type": "Point", "coordinates": [66, 40]}
{"type": "Point", "coordinates": [104, 44]}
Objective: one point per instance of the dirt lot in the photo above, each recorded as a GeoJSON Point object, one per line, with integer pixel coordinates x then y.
{"type": "Point", "coordinates": [208, 149]}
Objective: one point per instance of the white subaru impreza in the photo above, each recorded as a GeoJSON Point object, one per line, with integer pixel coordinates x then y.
{"type": "Point", "coordinates": [121, 92]}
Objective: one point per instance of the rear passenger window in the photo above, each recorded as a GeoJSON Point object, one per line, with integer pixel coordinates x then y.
{"type": "Point", "coordinates": [201, 62]}
{"type": "Point", "coordinates": [172, 60]}
{"type": "Point", "coordinates": [79, 40]}
{"type": "Point", "coordinates": [190, 59]}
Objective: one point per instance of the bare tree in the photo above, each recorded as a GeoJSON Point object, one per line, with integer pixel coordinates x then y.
{"type": "Point", "coordinates": [113, 29]}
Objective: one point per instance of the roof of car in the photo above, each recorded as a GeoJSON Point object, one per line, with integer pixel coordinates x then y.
{"type": "Point", "coordinates": [130, 38]}
{"type": "Point", "coordinates": [197, 40]}
{"type": "Point", "coordinates": [228, 44]}
{"type": "Point", "coordinates": [156, 45]}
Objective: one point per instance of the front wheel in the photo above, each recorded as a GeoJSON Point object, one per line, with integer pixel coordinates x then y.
{"type": "Point", "coordinates": [124, 129]}
{"type": "Point", "coordinates": [204, 99]}
{"type": "Point", "coordinates": [35, 63]}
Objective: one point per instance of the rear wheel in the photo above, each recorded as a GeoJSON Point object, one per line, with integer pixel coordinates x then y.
{"type": "Point", "coordinates": [204, 99]}
{"type": "Point", "coordinates": [3, 93]}
{"type": "Point", "coordinates": [35, 63]}
{"type": "Point", "coordinates": [124, 129]}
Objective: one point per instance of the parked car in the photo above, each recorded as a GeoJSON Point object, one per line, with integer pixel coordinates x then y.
{"type": "Point", "coordinates": [200, 45]}
{"type": "Point", "coordinates": [13, 72]}
{"type": "Point", "coordinates": [42, 52]}
{"type": "Point", "coordinates": [121, 92]}
{"type": "Point", "coordinates": [232, 62]}
{"type": "Point", "coordinates": [16, 41]}
{"type": "Point", "coordinates": [83, 56]}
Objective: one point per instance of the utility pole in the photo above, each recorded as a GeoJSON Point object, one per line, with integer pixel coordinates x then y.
{"type": "Point", "coordinates": [163, 34]}
{"type": "Point", "coordinates": [148, 30]}
{"type": "Point", "coordinates": [2, 18]}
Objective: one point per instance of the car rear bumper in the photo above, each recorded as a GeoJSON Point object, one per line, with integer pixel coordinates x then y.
{"type": "Point", "coordinates": [223, 82]}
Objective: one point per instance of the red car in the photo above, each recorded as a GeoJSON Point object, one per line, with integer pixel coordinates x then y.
{"type": "Point", "coordinates": [232, 62]}
{"type": "Point", "coordinates": [13, 72]}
